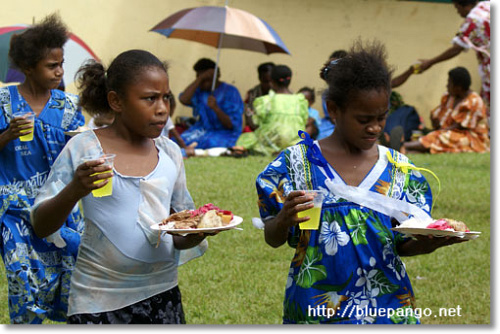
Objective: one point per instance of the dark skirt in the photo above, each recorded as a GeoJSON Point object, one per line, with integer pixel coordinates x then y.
{"type": "Point", "coordinates": [163, 308]}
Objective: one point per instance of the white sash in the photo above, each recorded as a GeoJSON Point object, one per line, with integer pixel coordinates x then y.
{"type": "Point", "coordinates": [378, 202]}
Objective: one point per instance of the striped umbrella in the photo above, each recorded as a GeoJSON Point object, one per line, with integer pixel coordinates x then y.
{"type": "Point", "coordinates": [76, 52]}
{"type": "Point", "coordinates": [222, 27]}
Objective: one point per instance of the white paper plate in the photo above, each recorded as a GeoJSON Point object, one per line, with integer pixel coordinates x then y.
{"type": "Point", "coordinates": [77, 131]}
{"type": "Point", "coordinates": [232, 224]}
{"type": "Point", "coordinates": [411, 231]}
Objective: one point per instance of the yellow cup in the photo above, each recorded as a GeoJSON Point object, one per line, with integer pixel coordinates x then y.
{"type": "Point", "coordinates": [314, 213]}
{"type": "Point", "coordinates": [417, 68]}
{"type": "Point", "coordinates": [106, 190]}
{"type": "Point", "coordinates": [30, 116]}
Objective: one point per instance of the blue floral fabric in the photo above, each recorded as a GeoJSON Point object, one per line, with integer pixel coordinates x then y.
{"type": "Point", "coordinates": [38, 272]}
{"type": "Point", "coordinates": [349, 270]}
{"type": "Point", "coordinates": [208, 131]}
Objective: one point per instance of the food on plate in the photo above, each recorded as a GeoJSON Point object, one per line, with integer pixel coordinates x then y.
{"type": "Point", "coordinates": [447, 224]}
{"type": "Point", "coordinates": [207, 216]}
{"type": "Point", "coordinates": [414, 223]}
{"type": "Point", "coordinates": [210, 219]}
{"type": "Point", "coordinates": [443, 224]}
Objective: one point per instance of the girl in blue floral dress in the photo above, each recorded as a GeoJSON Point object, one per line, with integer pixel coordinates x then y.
{"type": "Point", "coordinates": [349, 270]}
{"type": "Point", "coordinates": [38, 272]}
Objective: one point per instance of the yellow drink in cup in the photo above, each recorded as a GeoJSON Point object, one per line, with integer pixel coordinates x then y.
{"type": "Point", "coordinates": [30, 116]}
{"type": "Point", "coordinates": [314, 213]}
{"type": "Point", "coordinates": [107, 190]}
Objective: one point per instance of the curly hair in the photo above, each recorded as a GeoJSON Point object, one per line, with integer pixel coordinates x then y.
{"type": "Point", "coordinates": [34, 44]}
{"type": "Point", "coordinates": [364, 68]}
{"type": "Point", "coordinates": [94, 81]}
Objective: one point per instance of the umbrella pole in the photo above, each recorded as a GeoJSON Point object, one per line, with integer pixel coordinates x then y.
{"type": "Point", "coordinates": [217, 62]}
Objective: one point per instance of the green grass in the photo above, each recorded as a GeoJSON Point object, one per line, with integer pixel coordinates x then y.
{"type": "Point", "coordinates": [241, 280]}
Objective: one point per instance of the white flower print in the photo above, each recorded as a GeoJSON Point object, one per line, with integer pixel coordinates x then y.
{"type": "Point", "coordinates": [366, 278]}
{"type": "Point", "coordinates": [387, 250]}
{"type": "Point", "coordinates": [332, 236]}
{"type": "Point", "coordinates": [394, 265]}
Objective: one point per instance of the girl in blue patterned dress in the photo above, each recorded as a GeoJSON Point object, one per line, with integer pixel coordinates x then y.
{"type": "Point", "coordinates": [349, 270]}
{"type": "Point", "coordinates": [38, 272]}
{"type": "Point", "coordinates": [125, 273]}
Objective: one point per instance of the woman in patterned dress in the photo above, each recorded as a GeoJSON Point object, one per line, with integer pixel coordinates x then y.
{"type": "Point", "coordinates": [349, 270]}
{"type": "Point", "coordinates": [459, 121]}
{"type": "Point", "coordinates": [38, 272]}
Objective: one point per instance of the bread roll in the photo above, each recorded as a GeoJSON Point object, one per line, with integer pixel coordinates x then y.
{"type": "Point", "coordinates": [210, 219]}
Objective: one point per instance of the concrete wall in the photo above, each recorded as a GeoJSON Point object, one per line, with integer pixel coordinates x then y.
{"type": "Point", "coordinates": [311, 30]}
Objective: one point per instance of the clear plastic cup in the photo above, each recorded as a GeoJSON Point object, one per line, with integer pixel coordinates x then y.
{"type": "Point", "coordinates": [30, 116]}
{"type": "Point", "coordinates": [314, 213]}
{"type": "Point", "coordinates": [107, 190]}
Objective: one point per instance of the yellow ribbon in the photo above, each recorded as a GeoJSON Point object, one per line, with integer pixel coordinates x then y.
{"type": "Point", "coordinates": [404, 166]}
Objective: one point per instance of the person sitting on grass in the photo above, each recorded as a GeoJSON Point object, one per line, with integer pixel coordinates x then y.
{"type": "Point", "coordinates": [261, 89]}
{"type": "Point", "coordinates": [219, 112]}
{"type": "Point", "coordinates": [402, 121]}
{"type": "Point", "coordinates": [279, 116]}
{"type": "Point", "coordinates": [460, 122]}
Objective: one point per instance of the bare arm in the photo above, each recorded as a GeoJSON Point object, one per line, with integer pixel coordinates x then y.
{"type": "Point", "coordinates": [187, 94]}
{"type": "Point", "coordinates": [401, 79]}
{"type": "Point", "coordinates": [276, 229]}
{"type": "Point", "coordinates": [425, 245]}
{"type": "Point", "coordinates": [249, 121]}
{"type": "Point", "coordinates": [449, 53]}
{"type": "Point", "coordinates": [178, 138]}
{"type": "Point", "coordinates": [52, 213]}
{"type": "Point", "coordinates": [249, 112]}
{"type": "Point", "coordinates": [221, 115]}
{"type": "Point", "coordinates": [188, 241]}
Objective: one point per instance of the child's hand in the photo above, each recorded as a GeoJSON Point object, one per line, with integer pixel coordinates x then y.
{"type": "Point", "coordinates": [17, 125]}
{"type": "Point", "coordinates": [190, 240]}
{"type": "Point", "coordinates": [425, 244]}
{"type": "Point", "coordinates": [428, 243]}
{"type": "Point", "coordinates": [294, 203]}
{"type": "Point", "coordinates": [85, 176]}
